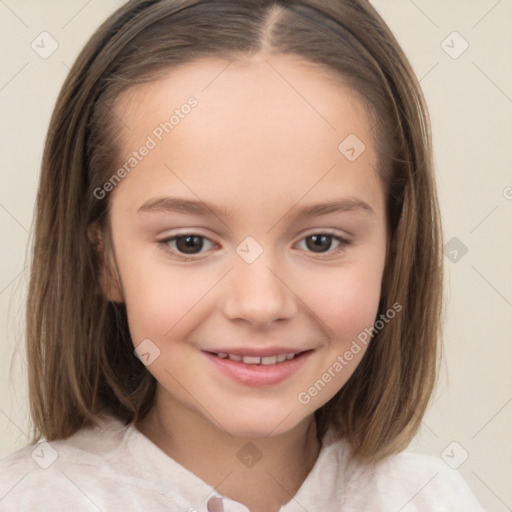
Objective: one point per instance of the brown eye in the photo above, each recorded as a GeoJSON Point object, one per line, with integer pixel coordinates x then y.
{"type": "Point", "coordinates": [321, 243]}
{"type": "Point", "coordinates": [187, 245]}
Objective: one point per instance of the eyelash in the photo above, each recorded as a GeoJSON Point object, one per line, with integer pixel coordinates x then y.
{"type": "Point", "coordinates": [164, 244]}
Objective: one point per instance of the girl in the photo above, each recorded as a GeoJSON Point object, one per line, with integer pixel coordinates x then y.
{"type": "Point", "coordinates": [236, 281]}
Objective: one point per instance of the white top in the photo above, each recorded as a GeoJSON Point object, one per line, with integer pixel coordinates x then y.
{"type": "Point", "coordinates": [115, 468]}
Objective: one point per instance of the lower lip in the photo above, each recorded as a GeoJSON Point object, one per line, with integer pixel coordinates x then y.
{"type": "Point", "coordinates": [259, 374]}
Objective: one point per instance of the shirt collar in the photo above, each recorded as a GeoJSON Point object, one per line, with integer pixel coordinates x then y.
{"type": "Point", "coordinates": [321, 490]}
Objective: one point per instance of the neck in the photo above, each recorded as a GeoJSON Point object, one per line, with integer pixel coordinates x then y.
{"type": "Point", "coordinates": [239, 470]}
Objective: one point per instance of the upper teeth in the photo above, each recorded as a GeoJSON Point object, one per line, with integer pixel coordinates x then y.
{"type": "Point", "coordinates": [256, 359]}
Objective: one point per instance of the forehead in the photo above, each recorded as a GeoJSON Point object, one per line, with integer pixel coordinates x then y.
{"type": "Point", "coordinates": [261, 125]}
{"type": "Point", "coordinates": [264, 89]}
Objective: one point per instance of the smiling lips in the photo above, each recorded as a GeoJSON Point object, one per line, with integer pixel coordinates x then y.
{"type": "Point", "coordinates": [265, 360]}
{"type": "Point", "coordinates": [259, 370]}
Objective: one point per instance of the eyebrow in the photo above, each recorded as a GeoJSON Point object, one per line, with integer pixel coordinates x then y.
{"type": "Point", "coordinates": [186, 206]}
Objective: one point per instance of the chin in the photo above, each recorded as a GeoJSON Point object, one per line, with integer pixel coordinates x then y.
{"type": "Point", "coordinates": [260, 424]}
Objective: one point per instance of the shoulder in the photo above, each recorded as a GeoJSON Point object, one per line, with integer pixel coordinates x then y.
{"type": "Point", "coordinates": [411, 482]}
{"type": "Point", "coordinates": [47, 475]}
{"type": "Point", "coordinates": [86, 446]}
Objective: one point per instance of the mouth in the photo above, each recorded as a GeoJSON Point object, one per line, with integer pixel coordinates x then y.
{"type": "Point", "coordinates": [260, 360]}
{"type": "Point", "coordinates": [259, 370]}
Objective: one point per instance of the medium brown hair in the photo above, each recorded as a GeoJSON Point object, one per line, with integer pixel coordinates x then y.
{"type": "Point", "coordinates": [80, 355]}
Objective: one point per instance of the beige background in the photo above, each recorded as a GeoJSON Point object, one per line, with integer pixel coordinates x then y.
{"type": "Point", "coordinates": [470, 99]}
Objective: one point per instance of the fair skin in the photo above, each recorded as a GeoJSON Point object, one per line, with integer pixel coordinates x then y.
{"type": "Point", "coordinates": [264, 150]}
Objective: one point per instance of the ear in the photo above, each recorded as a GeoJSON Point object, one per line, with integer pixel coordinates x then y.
{"type": "Point", "coordinates": [108, 273]}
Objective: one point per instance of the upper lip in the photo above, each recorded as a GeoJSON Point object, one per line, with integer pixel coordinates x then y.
{"type": "Point", "coordinates": [262, 352]}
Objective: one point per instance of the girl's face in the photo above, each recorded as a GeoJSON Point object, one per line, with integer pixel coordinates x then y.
{"type": "Point", "coordinates": [249, 221]}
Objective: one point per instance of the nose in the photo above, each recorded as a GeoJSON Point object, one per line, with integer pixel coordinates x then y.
{"type": "Point", "coordinates": [258, 292]}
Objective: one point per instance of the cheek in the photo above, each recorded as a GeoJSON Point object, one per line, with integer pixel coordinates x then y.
{"type": "Point", "coordinates": [164, 300]}
{"type": "Point", "coordinates": [160, 301]}
{"type": "Point", "coordinates": [347, 311]}
{"type": "Point", "coordinates": [346, 300]}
